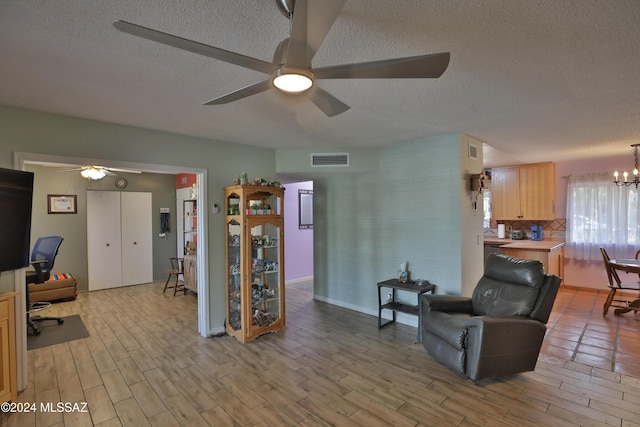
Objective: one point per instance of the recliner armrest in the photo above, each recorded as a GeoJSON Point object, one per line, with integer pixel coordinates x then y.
{"type": "Point", "coordinates": [509, 324]}
{"type": "Point", "coordinates": [447, 303]}
{"type": "Point", "coordinates": [499, 346]}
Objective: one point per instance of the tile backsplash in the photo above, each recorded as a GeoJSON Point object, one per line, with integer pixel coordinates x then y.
{"type": "Point", "coordinates": [552, 229]}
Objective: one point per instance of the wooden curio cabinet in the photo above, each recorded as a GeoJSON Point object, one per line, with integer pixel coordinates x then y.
{"type": "Point", "coordinates": [254, 217]}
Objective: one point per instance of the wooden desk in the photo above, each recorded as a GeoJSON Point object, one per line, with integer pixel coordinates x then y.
{"type": "Point", "coordinates": [628, 266]}
{"type": "Point", "coordinates": [394, 306]}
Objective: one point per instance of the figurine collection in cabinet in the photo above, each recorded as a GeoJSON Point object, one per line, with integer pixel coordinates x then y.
{"type": "Point", "coordinates": [255, 256]}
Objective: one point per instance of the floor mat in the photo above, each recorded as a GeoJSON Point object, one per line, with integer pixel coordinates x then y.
{"type": "Point", "coordinates": [51, 333]}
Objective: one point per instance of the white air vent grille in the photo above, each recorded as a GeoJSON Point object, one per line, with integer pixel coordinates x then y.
{"type": "Point", "coordinates": [330, 159]}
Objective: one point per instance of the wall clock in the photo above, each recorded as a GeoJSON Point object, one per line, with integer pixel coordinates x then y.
{"type": "Point", "coordinates": [121, 183]}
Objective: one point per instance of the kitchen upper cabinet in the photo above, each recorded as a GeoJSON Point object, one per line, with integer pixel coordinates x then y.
{"type": "Point", "coordinates": [525, 192]}
{"type": "Point", "coordinates": [505, 193]}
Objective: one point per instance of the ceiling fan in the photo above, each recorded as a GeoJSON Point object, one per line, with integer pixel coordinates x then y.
{"type": "Point", "coordinates": [291, 70]}
{"type": "Point", "coordinates": [95, 173]}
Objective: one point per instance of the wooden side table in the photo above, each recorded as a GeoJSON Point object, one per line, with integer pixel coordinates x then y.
{"type": "Point", "coordinates": [397, 285]}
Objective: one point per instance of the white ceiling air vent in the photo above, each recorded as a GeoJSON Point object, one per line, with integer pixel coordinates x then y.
{"type": "Point", "coordinates": [329, 159]}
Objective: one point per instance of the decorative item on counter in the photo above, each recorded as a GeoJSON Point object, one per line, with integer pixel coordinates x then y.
{"type": "Point", "coordinates": [517, 235]}
{"type": "Point", "coordinates": [500, 231]}
{"type": "Point", "coordinates": [403, 274]}
{"type": "Point", "coordinates": [536, 232]}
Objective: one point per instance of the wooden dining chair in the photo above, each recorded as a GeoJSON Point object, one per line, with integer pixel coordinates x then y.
{"type": "Point", "coordinates": [177, 269]}
{"type": "Point", "coordinates": [615, 285]}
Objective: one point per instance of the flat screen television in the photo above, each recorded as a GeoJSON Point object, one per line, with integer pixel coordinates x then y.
{"type": "Point", "coordinates": [16, 196]}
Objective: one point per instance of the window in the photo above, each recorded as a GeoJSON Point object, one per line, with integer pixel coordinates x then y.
{"type": "Point", "coordinates": [601, 214]}
{"type": "Point", "coordinates": [486, 208]}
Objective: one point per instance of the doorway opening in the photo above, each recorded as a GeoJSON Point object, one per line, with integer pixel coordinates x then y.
{"type": "Point", "coordinates": [298, 235]}
{"type": "Point", "coordinates": [21, 159]}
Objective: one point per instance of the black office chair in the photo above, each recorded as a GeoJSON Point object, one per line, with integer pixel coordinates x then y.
{"type": "Point", "coordinates": [43, 256]}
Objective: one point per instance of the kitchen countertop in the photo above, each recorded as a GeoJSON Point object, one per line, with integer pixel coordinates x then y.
{"type": "Point", "coordinates": [537, 245]}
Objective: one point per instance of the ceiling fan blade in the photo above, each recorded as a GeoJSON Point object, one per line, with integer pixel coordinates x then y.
{"type": "Point", "coordinates": [297, 49]}
{"type": "Point", "coordinates": [242, 93]}
{"type": "Point", "coordinates": [310, 24]}
{"type": "Point", "coordinates": [123, 170]}
{"type": "Point", "coordinates": [323, 14]}
{"type": "Point", "coordinates": [413, 67]}
{"type": "Point", "coordinates": [329, 104]}
{"type": "Point", "coordinates": [195, 47]}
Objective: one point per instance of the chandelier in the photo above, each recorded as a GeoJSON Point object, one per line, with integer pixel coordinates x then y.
{"type": "Point", "coordinates": [636, 178]}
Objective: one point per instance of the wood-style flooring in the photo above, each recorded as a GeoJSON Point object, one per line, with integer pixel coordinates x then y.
{"type": "Point", "coordinates": [145, 365]}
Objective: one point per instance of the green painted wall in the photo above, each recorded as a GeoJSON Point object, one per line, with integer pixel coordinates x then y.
{"type": "Point", "coordinates": [416, 208]}
{"type": "Point", "coordinates": [37, 132]}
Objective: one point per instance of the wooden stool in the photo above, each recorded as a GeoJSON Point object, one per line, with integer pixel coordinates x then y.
{"type": "Point", "coordinates": [177, 268]}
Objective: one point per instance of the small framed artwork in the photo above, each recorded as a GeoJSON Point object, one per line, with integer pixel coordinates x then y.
{"type": "Point", "coordinates": [305, 210]}
{"type": "Point", "coordinates": [62, 204]}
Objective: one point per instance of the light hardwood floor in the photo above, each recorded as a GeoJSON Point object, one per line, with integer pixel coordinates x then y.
{"type": "Point", "coordinates": [144, 364]}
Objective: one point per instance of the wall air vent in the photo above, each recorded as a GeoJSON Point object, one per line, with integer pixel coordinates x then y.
{"type": "Point", "coordinates": [329, 159]}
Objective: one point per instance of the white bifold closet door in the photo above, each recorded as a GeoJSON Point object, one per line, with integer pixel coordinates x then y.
{"type": "Point", "coordinates": [119, 239]}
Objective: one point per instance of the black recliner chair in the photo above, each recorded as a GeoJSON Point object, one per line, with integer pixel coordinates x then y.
{"type": "Point", "coordinates": [43, 256]}
{"type": "Point", "coordinates": [498, 331]}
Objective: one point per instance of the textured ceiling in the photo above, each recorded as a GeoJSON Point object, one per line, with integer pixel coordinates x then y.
{"type": "Point", "coordinates": [536, 80]}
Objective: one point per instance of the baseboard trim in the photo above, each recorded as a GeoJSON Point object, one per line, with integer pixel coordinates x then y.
{"type": "Point", "coordinates": [599, 291]}
{"type": "Point", "coordinates": [217, 331]}
{"type": "Point", "coordinates": [583, 289]}
{"type": "Point", "coordinates": [298, 280]}
{"type": "Point", "coordinates": [405, 319]}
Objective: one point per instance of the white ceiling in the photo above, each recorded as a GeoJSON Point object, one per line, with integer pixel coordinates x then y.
{"type": "Point", "coordinates": [537, 80]}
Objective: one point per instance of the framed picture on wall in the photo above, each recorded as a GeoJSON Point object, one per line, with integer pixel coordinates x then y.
{"type": "Point", "coordinates": [305, 209]}
{"type": "Point", "coordinates": [62, 204]}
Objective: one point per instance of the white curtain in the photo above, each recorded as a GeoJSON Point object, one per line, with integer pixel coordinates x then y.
{"type": "Point", "coordinates": [599, 213]}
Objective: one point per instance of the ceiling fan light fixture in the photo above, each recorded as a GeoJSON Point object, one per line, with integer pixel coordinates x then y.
{"type": "Point", "coordinates": [93, 173]}
{"type": "Point", "coordinates": [292, 81]}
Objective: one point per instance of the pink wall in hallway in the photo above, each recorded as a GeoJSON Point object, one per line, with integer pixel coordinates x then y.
{"type": "Point", "coordinates": [298, 249]}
